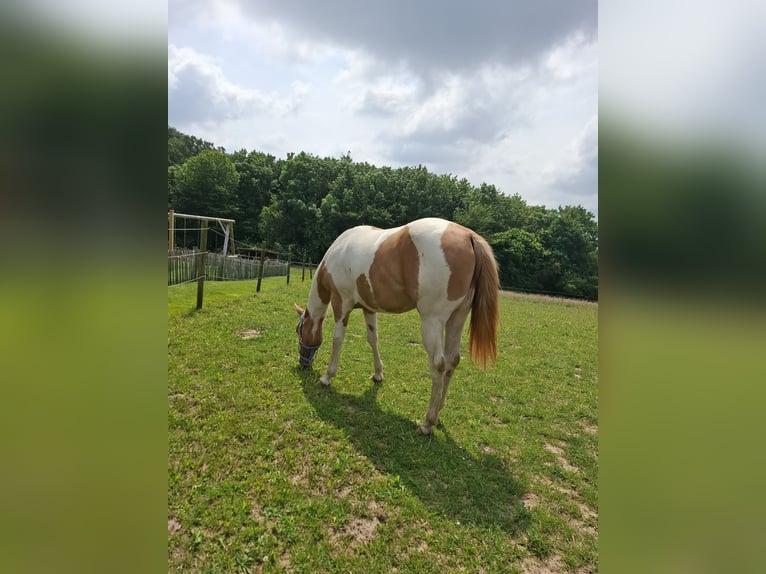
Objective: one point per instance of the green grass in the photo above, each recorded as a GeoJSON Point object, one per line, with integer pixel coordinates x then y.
{"type": "Point", "coordinates": [270, 472]}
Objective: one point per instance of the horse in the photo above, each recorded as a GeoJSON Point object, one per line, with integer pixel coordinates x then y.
{"type": "Point", "coordinates": [440, 268]}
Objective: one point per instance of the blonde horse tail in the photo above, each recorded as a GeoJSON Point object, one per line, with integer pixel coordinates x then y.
{"type": "Point", "coordinates": [485, 313]}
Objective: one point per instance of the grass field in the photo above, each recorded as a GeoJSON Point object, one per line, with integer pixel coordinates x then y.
{"type": "Point", "coordinates": [270, 472]}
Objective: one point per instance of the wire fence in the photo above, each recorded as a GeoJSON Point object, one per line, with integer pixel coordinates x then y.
{"type": "Point", "coordinates": [183, 267]}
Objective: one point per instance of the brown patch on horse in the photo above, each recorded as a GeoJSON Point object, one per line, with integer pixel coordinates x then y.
{"type": "Point", "coordinates": [324, 283]}
{"type": "Point", "coordinates": [365, 291]}
{"type": "Point", "coordinates": [393, 280]}
{"type": "Point", "coordinates": [458, 251]}
{"type": "Point", "coordinates": [307, 332]}
{"type": "Point", "coordinates": [327, 291]}
{"type": "Point", "coordinates": [310, 334]}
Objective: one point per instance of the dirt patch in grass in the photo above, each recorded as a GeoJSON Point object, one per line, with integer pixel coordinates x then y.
{"type": "Point", "coordinates": [563, 490]}
{"type": "Point", "coordinates": [249, 333]}
{"type": "Point", "coordinates": [354, 533]}
{"type": "Point", "coordinates": [284, 560]}
{"type": "Point", "coordinates": [587, 512]}
{"type": "Point", "coordinates": [559, 454]}
{"type": "Point", "coordinates": [585, 528]}
{"type": "Point", "coordinates": [552, 565]}
{"type": "Point", "coordinates": [257, 513]}
{"type": "Point", "coordinates": [360, 529]}
{"type": "Point", "coordinates": [530, 500]}
{"type": "Point", "coordinates": [588, 515]}
{"type": "Point", "coordinates": [173, 525]}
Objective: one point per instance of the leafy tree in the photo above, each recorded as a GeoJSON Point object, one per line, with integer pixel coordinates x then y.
{"type": "Point", "coordinates": [572, 238]}
{"type": "Point", "coordinates": [207, 184]}
{"type": "Point", "coordinates": [487, 211]}
{"type": "Point", "coordinates": [181, 146]}
{"type": "Point", "coordinates": [257, 179]}
{"type": "Point", "coordinates": [172, 182]}
{"type": "Point", "coordinates": [293, 217]}
{"type": "Point", "coordinates": [521, 256]}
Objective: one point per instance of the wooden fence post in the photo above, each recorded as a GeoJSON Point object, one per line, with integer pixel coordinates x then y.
{"type": "Point", "coordinates": [260, 271]}
{"type": "Point", "coordinates": [201, 263]}
{"type": "Point", "coordinates": [289, 260]}
{"type": "Point", "coordinates": [171, 230]}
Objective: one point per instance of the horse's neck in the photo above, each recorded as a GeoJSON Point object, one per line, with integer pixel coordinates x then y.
{"type": "Point", "coordinates": [315, 306]}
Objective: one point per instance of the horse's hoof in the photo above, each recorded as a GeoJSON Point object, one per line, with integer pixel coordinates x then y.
{"type": "Point", "coordinates": [377, 378]}
{"type": "Point", "coordinates": [324, 381]}
{"type": "Point", "coordinates": [423, 430]}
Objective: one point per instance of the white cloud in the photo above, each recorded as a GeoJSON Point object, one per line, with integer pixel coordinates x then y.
{"type": "Point", "coordinates": [576, 156]}
{"type": "Point", "coordinates": [198, 91]}
{"type": "Point", "coordinates": [574, 57]}
{"type": "Point", "coordinates": [432, 34]}
{"type": "Point", "coordinates": [573, 176]}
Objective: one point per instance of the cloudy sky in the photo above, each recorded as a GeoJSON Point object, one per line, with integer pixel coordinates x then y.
{"type": "Point", "coordinates": [502, 92]}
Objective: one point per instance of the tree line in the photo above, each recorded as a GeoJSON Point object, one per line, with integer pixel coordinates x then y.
{"type": "Point", "coordinates": [303, 202]}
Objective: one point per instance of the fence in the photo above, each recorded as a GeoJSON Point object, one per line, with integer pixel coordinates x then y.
{"type": "Point", "coordinates": [183, 263]}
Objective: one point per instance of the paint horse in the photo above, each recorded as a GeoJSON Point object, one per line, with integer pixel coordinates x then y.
{"type": "Point", "coordinates": [440, 268]}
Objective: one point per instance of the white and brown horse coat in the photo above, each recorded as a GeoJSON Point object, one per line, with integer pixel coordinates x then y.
{"type": "Point", "coordinates": [440, 268]}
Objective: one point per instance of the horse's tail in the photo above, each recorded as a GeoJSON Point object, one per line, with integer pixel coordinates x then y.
{"type": "Point", "coordinates": [485, 313]}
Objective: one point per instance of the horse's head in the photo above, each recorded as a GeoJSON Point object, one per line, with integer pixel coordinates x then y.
{"type": "Point", "coordinates": [308, 340]}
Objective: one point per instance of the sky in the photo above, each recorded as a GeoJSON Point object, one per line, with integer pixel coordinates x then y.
{"type": "Point", "coordinates": [687, 70]}
{"type": "Point", "coordinates": [497, 92]}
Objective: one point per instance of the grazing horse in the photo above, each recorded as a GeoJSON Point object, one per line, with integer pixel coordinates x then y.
{"type": "Point", "coordinates": [440, 268]}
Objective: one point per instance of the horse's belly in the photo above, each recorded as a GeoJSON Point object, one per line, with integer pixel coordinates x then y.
{"type": "Point", "coordinates": [393, 298]}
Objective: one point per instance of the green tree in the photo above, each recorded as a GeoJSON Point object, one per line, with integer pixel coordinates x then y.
{"type": "Point", "coordinates": [257, 179]}
{"type": "Point", "coordinates": [293, 217]}
{"type": "Point", "coordinates": [572, 238]}
{"type": "Point", "coordinates": [207, 184]}
{"type": "Point", "coordinates": [181, 146]}
{"type": "Point", "coordinates": [521, 256]}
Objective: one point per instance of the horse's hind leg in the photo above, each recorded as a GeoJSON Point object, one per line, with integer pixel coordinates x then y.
{"type": "Point", "coordinates": [371, 320]}
{"type": "Point", "coordinates": [432, 331]}
{"type": "Point", "coordinates": [452, 336]}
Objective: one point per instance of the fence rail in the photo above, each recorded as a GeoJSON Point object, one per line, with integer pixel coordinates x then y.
{"type": "Point", "coordinates": [182, 267]}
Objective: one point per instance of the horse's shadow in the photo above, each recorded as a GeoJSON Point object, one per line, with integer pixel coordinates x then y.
{"type": "Point", "coordinates": [445, 477]}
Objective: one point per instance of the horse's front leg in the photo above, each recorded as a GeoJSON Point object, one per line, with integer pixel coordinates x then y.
{"type": "Point", "coordinates": [339, 332]}
{"type": "Point", "coordinates": [371, 320]}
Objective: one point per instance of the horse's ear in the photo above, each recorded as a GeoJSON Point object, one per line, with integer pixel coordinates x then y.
{"type": "Point", "coordinates": [298, 309]}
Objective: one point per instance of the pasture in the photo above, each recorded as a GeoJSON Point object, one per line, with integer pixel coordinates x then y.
{"type": "Point", "coordinates": [270, 472]}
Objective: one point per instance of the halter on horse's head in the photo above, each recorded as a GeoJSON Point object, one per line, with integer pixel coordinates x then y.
{"type": "Point", "coordinates": [303, 348]}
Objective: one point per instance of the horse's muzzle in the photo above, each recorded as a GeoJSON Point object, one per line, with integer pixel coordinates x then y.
{"type": "Point", "coordinates": [306, 362]}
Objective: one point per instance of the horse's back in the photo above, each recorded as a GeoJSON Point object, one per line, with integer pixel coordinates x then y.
{"type": "Point", "coordinates": [427, 264]}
